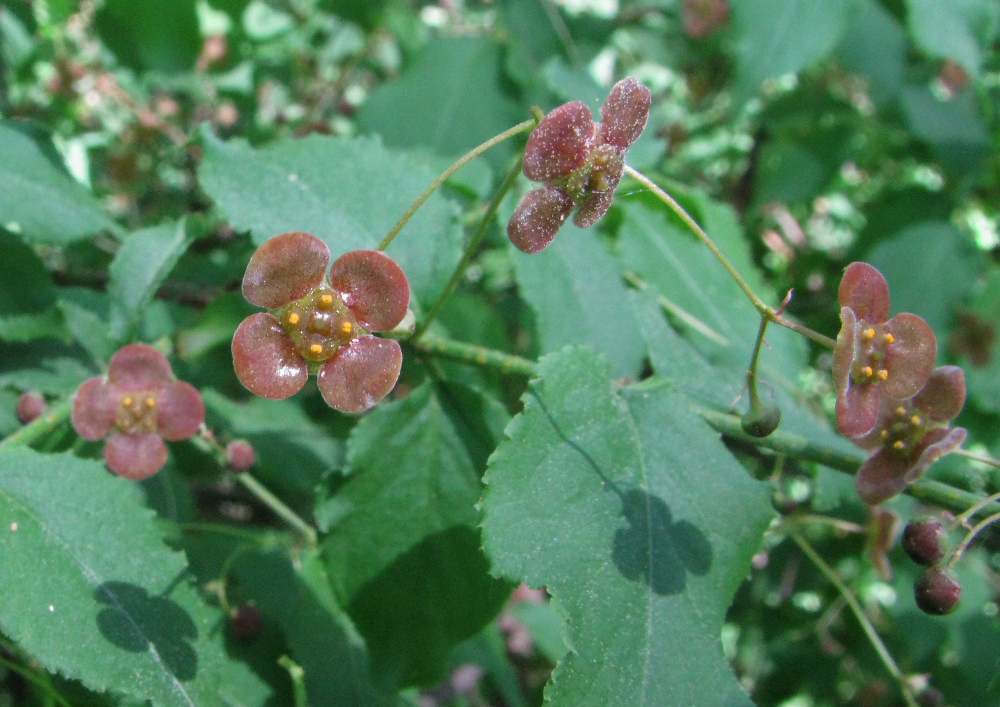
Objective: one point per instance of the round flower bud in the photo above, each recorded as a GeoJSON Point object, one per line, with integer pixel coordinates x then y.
{"type": "Point", "coordinates": [761, 420]}
{"type": "Point", "coordinates": [936, 591]}
{"type": "Point", "coordinates": [30, 406]}
{"type": "Point", "coordinates": [246, 622]}
{"type": "Point", "coordinates": [922, 541]}
{"type": "Point", "coordinates": [239, 455]}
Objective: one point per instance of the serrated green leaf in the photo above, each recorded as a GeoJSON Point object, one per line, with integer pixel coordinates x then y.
{"type": "Point", "coordinates": [578, 297]}
{"type": "Point", "coordinates": [348, 192]}
{"type": "Point", "coordinates": [141, 264]}
{"type": "Point", "coordinates": [38, 198]}
{"type": "Point", "coordinates": [621, 506]}
{"type": "Point", "coordinates": [961, 30]}
{"type": "Point", "coordinates": [775, 37]}
{"type": "Point", "coordinates": [97, 596]}
{"type": "Point", "coordinates": [420, 584]}
{"type": "Point", "coordinates": [451, 95]}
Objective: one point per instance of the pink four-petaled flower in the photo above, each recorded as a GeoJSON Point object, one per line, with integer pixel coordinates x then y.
{"type": "Point", "coordinates": [321, 322]}
{"type": "Point", "coordinates": [136, 406]}
{"type": "Point", "coordinates": [580, 161]}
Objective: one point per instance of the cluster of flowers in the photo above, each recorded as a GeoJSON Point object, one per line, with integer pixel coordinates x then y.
{"type": "Point", "coordinates": [890, 398]}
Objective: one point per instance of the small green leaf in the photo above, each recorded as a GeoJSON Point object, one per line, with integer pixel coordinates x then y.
{"type": "Point", "coordinates": [348, 192]}
{"type": "Point", "coordinates": [38, 198]}
{"type": "Point", "coordinates": [141, 264]}
{"type": "Point", "coordinates": [93, 593]}
{"type": "Point", "coordinates": [419, 585]}
{"type": "Point", "coordinates": [775, 37]}
{"type": "Point", "coordinates": [578, 297]}
{"type": "Point", "coordinates": [89, 330]}
{"type": "Point", "coordinates": [621, 506]}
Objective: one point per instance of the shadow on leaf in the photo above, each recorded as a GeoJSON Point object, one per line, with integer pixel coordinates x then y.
{"type": "Point", "coordinates": [656, 550]}
{"type": "Point", "coordinates": [136, 622]}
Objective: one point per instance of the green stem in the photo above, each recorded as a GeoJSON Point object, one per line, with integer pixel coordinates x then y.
{"type": "Point", "coordinates": [973, 510]}
{"type": "Point", "coordinates": [475, 355]}
{"type": "Point", "coordinates": [675, 310]}
{"type": "Point", "coordinates": [470, 249]}
{"type": "Point", "coordinates": [278, 506]}
{"type": "Point", "coordinates": [858, 611]}
{"type": "Point", "coordinates": [754, 358]}
{"type": "Point", "coordinates": [957, 553]}
{"type": "Point", "coordinates": [443, 177]}
{"type": "Point", "coordinates": [297, 675]}
{"type": "Point", "coordinates": [765, 311]}
{"type": "Point", "coordinates": [46, 423]}
{"type": "Point", "coordinates": [981, 458]}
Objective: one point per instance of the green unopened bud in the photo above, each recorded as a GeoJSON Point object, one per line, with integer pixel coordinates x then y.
{"type": "Point", "coordinates": [761, 420]}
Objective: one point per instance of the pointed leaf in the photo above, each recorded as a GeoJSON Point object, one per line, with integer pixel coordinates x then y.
{"type": "Point", "coordinates": [621, 506]}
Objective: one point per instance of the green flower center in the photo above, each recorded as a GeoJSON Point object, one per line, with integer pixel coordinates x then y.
{"type": "Point", "coordinates": [136, 413]}
{"type": "Point", "coordinates": [319, 324]}
{"type": "Point", "coordinates": [869, 366]}
{"type": "Point", "coordinates": [903, 431]}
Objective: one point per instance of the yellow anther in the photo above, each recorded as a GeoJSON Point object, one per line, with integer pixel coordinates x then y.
{"type": "Point", "coordinates": [867, 371]}
{"type": "Point", "coordinates": [889, 339]}
{"type": "Point", "coordinates": [151, 402]}
{"type": "Point", "coordinates": [293, 318]}
{"type": "Point", "coordinates": [868, 334]}
{"type": "Point", "coordinates": [884, 434]}
{"type": "Point", "coordinates": [127, 401]}
{"type": "Point", "coordinates": [326, 300]}
{"type": "Point", "coordinates": [900, 410]}
{"type": "Point", "coordinates": [916, 420]}
{"type": "Point", "coordinates": [346, 327]}
{"type": "Point", "coordinates": [882, 374]}
{"type": "Point", "coordinates": [316, 348]}
{"type": "Point", "coordinates": [898, 444]}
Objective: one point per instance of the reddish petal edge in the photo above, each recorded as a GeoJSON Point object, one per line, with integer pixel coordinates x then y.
{"type": "Point", "coordinates": [560, 143]}
{"type": "Point", "coordinates": [360, 374]}
{"type": "Point", "coordinates": [265, 359]}
{"type": "Point", "coordinates": [135, 456]}
{"type": "Point", "coordinates": [139, 367]}
{"type": "Point", "coordinates": [94, 408]}
{"type": "Point", "coordinates": [179, 411]}
{"type": "Point", "coordinates": [374, 287]}
{"type": "Point", "coordinates": [285, 268]}
{"type": "Point", "coordinates": [624, 113]}
{"type": "Point", "coordinates": [538, 217]}
{"type": "Point", "coordinates": [863, 289]}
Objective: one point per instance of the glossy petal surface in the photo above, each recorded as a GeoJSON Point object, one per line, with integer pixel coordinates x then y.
{"type": "Point", "coordinates": [94, 408]}
{"type": "Point", "coordinates": [624, 113]}
{"type": "Point", "coordinates": [864, 290]}
{"type": "Point", "coordinates": [538, 217]}
{"type": "Point", "coordinates": [858, 410]}
{"type": "Point", "coordinates": [139, 367]}
{"type": "Point", "coordinates": [135, 456]}
{"type": "Point", "coordinates": [943, 397]}
{"type": "Point", "coordinates": [593, 207]}
{"type": "Point", "coordinates": [265, 358]}
{"type": "Point", "coordinates": [374, 288]}
{"type": "Point", "coordinates": [910, 359]}
{"type": "Point", "coordinates": [179, 411]}
{"type": "Point", "coordinates": [360, 374]}
{"type": "Point", "coordinates": [285, 268]}
{"type": "Point", "coordinates": [560, 143]}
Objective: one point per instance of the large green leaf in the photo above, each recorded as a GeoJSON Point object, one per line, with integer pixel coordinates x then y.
{"type": "Point", "coordinates": [348, 192]}
{"type": "Point", "coordinates": [874, 46]}
{"type": "Point", "coordinates": [450, 95]}
{"type": "Point", "coordinates": [621, 505]}
{"type": "Point", "coordinates": [775, 37]}
{"type": "Point", "coordinates": [578, 297]}
{"type": "Point", "coordinates": [139, 268]}
{"type": "Point", "coordinates": [37, 196]}
{"type": "Point", "coordinates": [149, 35]}
{"type": "Point", "coordinates": [961, 30]}
{"type": "Point", "coordinates": [92, 591]}
{"type": "Point", "coordinates": [420, 584]}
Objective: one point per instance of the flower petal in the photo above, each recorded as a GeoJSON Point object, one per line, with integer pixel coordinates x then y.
{"type": "Point", "coordinates": [560, 143]}
{"type": "Point", "coordinates": [845, 352]}
{"type": "Point", "coordinates": [538, 217]}
{"type": "Point", "coordinates": [943, 396]}
{"type": "Point", "coordinates": [95, 405]}
{"type": "Point", "coordinates": [285, 268]}
{"type": "Point", "coordinates": [864, 290]}
{"type": "Point", "coordinates": [881, 477]}
{"type": "Point", "coordinates": [374, 288]}
{"type": "Point", "coordinates": [935, 444]}
{"type": "Point", "coordinates": [624, 113]}
{"type": "Point", "coordinates": [360, 374]}
{"type": "Point", "coordinates": [139, 367]}
{"type": "Point", "coordinates": [135, 456]}
{"type": "Point", "coordinates": [265, 359]}
{"type": "Point", "coordinates": [910, 359]}
{"type": "Point", "coordinates": [179, 411]}
{"type": "Point", "coordinates": [857, 410]}
{"type": "Point", "coordinates": [594, 207]}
